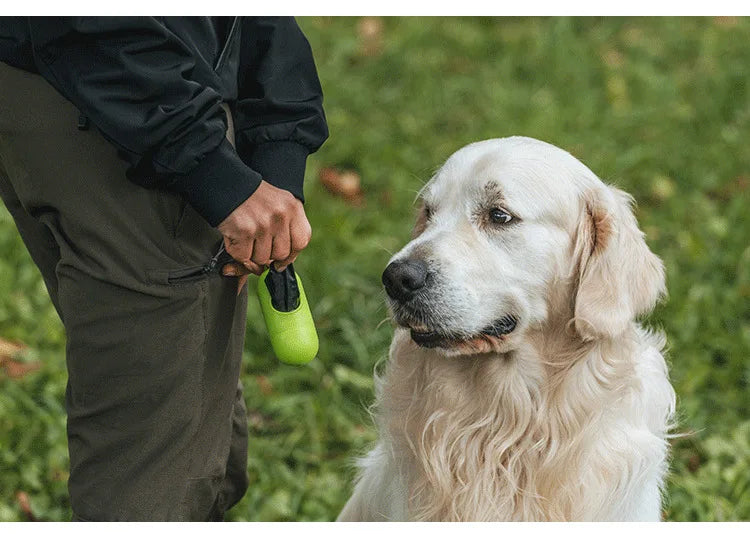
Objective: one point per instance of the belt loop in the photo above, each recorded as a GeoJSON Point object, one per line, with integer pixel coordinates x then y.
{"type": "Point", "coordinates": [83, 122]}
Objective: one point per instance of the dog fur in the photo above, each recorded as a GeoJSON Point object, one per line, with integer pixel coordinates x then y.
{"type": "Point", "coordinates": [564, 418]}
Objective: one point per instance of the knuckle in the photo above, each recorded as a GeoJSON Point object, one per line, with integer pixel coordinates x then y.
{"type": "Point", "coordinates": [302, 241]}
{"type": "Point", "coordinates": [250, 228]}
{"type": "Point", "coordinates": [278, 216]}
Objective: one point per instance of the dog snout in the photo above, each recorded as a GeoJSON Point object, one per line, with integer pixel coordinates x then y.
{"type": "Point", "coordinates": [403, 279]}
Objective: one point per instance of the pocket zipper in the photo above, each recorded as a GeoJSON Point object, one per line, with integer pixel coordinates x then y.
{"type": "Point", "coordinates": [195, 273]}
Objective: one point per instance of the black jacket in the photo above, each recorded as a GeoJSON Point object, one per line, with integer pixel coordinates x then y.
{"type": "Point", "coordinates": [153, 86]}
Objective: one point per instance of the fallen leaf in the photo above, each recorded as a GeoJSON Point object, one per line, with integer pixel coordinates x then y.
{"type": "Point", "coordinates": [257, 420]}
{"type": "Point", "coordinates": [737, 186]}
{"type": "Point", "coordinates": [266, 388]}
{"type": "Point", "coordinates": [9, 348]}
{"type": "Point", "coordinates": [345, 184]}
{"type": "Point", "coordinates": [370, 31]}
{"type": "Point", "coordinates": [726, 22]}
{"type": "Point", "coordinates": [13, 368]}
{"type": "Point", "coordinates": [22, 498]}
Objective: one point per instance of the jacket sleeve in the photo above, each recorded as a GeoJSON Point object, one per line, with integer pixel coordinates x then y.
{"type": "Point", "coordinates": [279, 118]}
{"type": "Point", "coordinates": [131, 77]}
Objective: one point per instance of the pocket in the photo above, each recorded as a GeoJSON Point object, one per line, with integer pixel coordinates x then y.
{"type": "Point", "coordinates": [171, 210]}
{"type": "Point", "coordinates": [190, 274]}
{"type": "Point", "coordinates": [194, 273]}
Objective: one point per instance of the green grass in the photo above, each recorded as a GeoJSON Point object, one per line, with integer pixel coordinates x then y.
{"type": "Point", "coordinates": [659, 107]}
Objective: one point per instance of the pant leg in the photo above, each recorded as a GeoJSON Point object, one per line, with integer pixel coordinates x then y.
{"type": "Point", "coordinates": [38, 239]}
{"type": "Point", "coordinates": [153, 357]}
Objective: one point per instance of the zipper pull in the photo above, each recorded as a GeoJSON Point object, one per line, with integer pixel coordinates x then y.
{"type": "Point", "coordinates": [213, 262]}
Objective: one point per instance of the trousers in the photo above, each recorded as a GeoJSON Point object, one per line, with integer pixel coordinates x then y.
{"type": "Point", "coordinates": [156, 427]}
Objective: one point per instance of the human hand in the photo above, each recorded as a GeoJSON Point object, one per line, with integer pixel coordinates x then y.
{"type": "Point", "coordinates": [270, 226]}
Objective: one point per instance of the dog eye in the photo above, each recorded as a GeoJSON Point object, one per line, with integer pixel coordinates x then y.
{"type": "Point", "coordinates": [427, 212]}
{"type": "Point", "coordinates": [499, 216]}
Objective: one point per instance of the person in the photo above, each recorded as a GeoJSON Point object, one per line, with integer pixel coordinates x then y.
{"type": "Point", "coordinates": [131, 149]}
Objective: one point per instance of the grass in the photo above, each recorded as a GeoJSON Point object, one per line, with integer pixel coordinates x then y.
{"type": "Point", "coordinates": [659, 107]}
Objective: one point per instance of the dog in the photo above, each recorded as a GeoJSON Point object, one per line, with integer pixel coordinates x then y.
{"type": "Point", "coordinates": [519, 386]}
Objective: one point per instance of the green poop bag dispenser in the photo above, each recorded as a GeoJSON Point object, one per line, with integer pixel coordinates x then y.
{"type": "Point", "coordinates": [287, 315]}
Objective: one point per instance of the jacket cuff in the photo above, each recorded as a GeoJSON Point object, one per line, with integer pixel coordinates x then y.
{"type": "Point", "coordinates": [219, 184]}
{"type": "Point", "coordinates": [282, 164]}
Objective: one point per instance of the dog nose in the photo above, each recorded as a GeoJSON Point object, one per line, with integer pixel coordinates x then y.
{"type": "Point", "coordinates": [402, 279]}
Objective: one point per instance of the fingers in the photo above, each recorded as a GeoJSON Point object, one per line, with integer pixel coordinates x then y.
{"type": "Point", "coordinates": [241, 272]}
{"type": "Point", "coordinates": [238, 269]}
{"type": "Point", "coordinates": [283, 264]}
{"type": "Point", "coordinates": [282, 243]}
{"type": "Point", "coordinates": [270, 226]}
{"type": "Point", "coordinates": [241, 250]}
{"type": "Point", "coordinates": [241, 283]}
{"type": "Point", "coordinates": [262, 249]}
{"type": "Point", "coordinates": [300, 235]}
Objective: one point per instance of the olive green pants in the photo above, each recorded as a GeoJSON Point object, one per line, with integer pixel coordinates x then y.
{"type": "Point", "coordinates": [157, 428]}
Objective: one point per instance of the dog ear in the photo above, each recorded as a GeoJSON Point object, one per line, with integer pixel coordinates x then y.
{"type": "Point", "coordinates": [618, 275]}
{"type": "Point", "coordinates": [421, 222]}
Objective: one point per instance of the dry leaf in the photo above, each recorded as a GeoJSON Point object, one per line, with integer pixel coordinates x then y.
{"type": "Point", "coordinates": [370, 30]}
{"type": "Point", "coordinates": [13, 368]}
{"type": "Point", "coordinates": [266, 388]}
{"type": "Point", "coordinates": [345, 184]}
{"type": "Point", "coordinates": [726, 22]}
{"type": "Point", "coordinates": [22, 498]}
{"type": "Point", "coordinates": [735, 187]}
{"type": "Point", "coordinates": [9, 348]}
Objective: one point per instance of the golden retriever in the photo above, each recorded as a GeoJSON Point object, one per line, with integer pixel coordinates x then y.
{"type": "Point", "coordinates": [519, 386]}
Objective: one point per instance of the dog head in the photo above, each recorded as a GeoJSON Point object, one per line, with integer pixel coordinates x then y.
{"type": "Point", "coordinates": [508, 228]}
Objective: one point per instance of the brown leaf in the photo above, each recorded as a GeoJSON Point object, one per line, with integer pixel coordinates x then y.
{"type": "Point", "coordinates": [22, 498]}
{"type": "Point", "coordinates": [266, 388]}
{"type": "Point", "coordinates": [726, 22]}
{"type": "Point", "coordinates": [370, 31]}
{"type": "Point", "coordinates": [737, 186]}
{"type": "Point", "coordinates": [345, 184]}
{"type": "Point", "coordinates": [13, 368]}
{"type": "Point", "coordinates": [9, 348]}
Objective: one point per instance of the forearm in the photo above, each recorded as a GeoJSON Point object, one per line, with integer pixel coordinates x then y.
{"type": "Point", "coordinates": [131, 77]}
{"type": "Point", "coordinates": [279, 113]}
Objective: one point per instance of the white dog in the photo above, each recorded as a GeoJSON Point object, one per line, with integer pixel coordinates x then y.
{"type": "Point", "coordinates": [519, 386]}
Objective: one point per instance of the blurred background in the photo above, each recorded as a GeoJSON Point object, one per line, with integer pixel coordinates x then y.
{"type": "Point", "coordinates": [659, 107]}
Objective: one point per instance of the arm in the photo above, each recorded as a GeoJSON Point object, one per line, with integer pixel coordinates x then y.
{"type": "Point", "coordinates": [131, 77]}
{"type": "Point", "coordinates": [279, 121]}
{"type": "Point", "coordinates": [279, 118]}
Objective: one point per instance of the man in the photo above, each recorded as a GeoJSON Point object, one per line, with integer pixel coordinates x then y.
{"type": "Point", "coordinates": [118, 164]}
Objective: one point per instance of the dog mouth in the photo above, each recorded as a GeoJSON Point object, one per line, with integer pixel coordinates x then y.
{"type": "Point", "coordinates": [484, 341]}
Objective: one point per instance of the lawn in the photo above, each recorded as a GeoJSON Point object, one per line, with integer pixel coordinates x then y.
{"type": "Point", "coordinates": [660, 107]}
